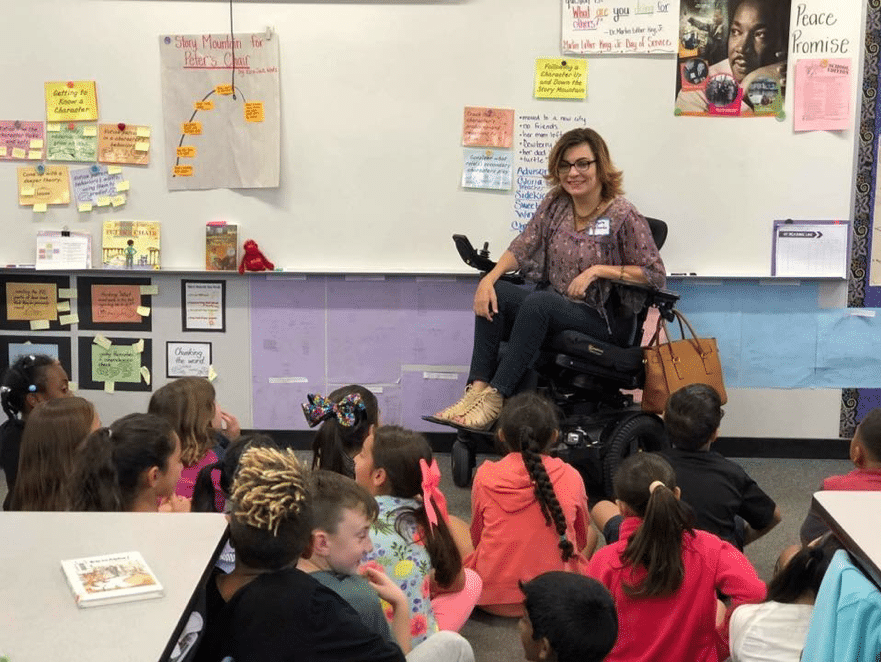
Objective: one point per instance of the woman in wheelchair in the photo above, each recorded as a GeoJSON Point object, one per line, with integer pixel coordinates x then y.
{"type": "Point", "coordinates": [583, 236]}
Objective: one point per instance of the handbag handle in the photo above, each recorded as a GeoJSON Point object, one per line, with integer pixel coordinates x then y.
{"type": "Point", "coordinates": [694, 341]}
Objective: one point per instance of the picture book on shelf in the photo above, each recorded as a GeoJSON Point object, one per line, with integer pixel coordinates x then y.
{"type": "Point", "coordinates": [130, 245]}
{"type": "Point", "coordinates": [110, 578]}
{"type": "Point", "coordinates": [221, 242]}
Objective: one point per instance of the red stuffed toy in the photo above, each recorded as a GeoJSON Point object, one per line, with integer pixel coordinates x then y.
{"type": "Point", "coordinates": [254, 260]}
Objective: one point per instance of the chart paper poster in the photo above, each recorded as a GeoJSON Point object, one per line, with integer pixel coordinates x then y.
{"type": "Point", "coordinates": [487, 168]}
{"type": "Point", "coordinates": [31, 301]}
{"type": "Point", "coordinates": [51, 187]}
{"type": "Point", "coordinates": [822, 95]}
{"type": "Point", "coordinates": [72, 142]}
{"type": "Point", "coordinates": [222, 127]}
{"type": "Point", "coordinates": [90, 184]}
{"type": "Point", "coordinates": [599, 27]}
{"type": "Point", "coordinates": [560, 78]}
{"type": "Point", "coordinates": [21, 141]}
{"type": "Point", "coordinates": [124, 143]}
{"type": "Point", "coordinates": [810, 249]}
{"type": "Point", "coordinates": [74, 100]}
{"type": "Point", "coordinates": [488, 127]}
{"type": "Point", "coordinates": [724, 69]}
{"type": "Point", "coordinates": [114, 304]}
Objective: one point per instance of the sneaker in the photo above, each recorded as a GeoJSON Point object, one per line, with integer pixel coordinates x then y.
{"type": "Point", "coordinates": [484, 410]}
{"type": "Point", "coordinates": [460, 407]}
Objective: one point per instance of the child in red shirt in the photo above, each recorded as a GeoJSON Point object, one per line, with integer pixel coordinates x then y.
{"type": "Point", "coordinates": [664, 575]}
{"type": "Point", "coordinates": [529, 511]}
{"type": "Point", "coordinates": [865, 453]}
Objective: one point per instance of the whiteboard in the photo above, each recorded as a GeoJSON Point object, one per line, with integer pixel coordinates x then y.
{"type": "Point", "coordinates": [372, 96]}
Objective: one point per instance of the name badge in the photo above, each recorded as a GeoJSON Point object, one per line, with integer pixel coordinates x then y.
{"type": "Point", "coordinates": [600, 228]}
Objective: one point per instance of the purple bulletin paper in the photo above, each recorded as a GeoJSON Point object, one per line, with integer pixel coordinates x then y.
{"type": "Point", "coordinates": [16, 141]}
{"type": "Point", "coordinates": [427, 392]}
{"type": "Point", "coordinates": [287, 348]}
{"type": "Point", "coordinates": [365, 331]}
{"type": "Point", "coordinates": [439, 325]}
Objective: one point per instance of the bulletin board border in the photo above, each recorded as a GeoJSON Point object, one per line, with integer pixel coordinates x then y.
{"type": "Point", "coordinates": [85, 365]}
{"type": "Point", "coordinates": [62, 342]}
{"type": "Point", "coordinates": [61, 282]}
{"type": "Point", "coordinates": [84, 304]}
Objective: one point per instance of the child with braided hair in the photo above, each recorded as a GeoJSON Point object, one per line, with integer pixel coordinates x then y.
{"type": "Point", "coordinates": [346, 416]}
{"type": "Point", "coordinates": [528, 510]}
{"type": "Point", "coordinates": [266, 610]}
{"type": "Point", "coordinates": [31, 379]}
{"type": "Point", "coordinates": [665, 575]}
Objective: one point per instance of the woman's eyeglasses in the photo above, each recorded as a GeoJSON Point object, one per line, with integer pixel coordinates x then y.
{"type": "Point", "coordinates": [581, 165]}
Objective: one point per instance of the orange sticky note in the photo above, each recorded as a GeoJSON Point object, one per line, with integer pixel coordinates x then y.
{"type": "Point", "coordinates": [204, 105]}
{"type": "Point", "coordinates": [183, 171]}
{"type": "Point", "coordinates": [186, 151]}
{"type": "Point", "coordinates": [254, 111]}
{"type": "Point", "coordinates": [192, 128]}
{"type": "Point", "coordinates": [223, 89]}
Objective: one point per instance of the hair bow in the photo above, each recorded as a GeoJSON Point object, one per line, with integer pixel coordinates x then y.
{"type": "Point", "coordinates": [318, 409]}
{"type": "Point", "coordinates": [431, 477]}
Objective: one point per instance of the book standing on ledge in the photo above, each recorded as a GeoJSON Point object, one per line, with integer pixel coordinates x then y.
{"type": "Point", "coordinates": [221, 244]}
{"type": "Point", "coordinates": [130, 245]}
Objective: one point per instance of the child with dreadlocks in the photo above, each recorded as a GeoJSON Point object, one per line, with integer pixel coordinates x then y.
{"type": "Point", "coordinates": [528, 510]}
{"type": "Point", "coordinates": [31, 379]}
{"type": "Point", "coordinates": [266, 610]}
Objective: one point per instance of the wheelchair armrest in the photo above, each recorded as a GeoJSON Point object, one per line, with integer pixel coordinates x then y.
{"type": "Point", "coordinates": [480, 259]}
{"type": "Point", "coordinates": [663, 300]}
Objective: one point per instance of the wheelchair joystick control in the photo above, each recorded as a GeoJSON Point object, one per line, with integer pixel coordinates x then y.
{"type": "Point", "coordinates": [484, 252]}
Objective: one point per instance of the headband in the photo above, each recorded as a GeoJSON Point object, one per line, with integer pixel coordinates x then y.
{"type": "Point", "coordinates": [318, 409]}
{"type": "Point", "coordinates": [431, 477]}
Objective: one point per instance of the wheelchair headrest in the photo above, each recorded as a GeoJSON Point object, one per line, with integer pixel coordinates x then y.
{"type": "Point", "coordinates": [659, 231]}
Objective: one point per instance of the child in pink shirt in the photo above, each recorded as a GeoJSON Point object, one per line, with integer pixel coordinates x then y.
{"type": "Point", "coordinates": [529, 511]}
{"type": "Point", "coordinates": [664, 575]}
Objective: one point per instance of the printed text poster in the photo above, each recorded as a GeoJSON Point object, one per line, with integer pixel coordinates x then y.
{"type": "Point", "coordinates": [204, 305]}
{"type": "Point", "coordinates": [619, 26]}
{"type": "Point", "coordinates": [222, 127]}
{"type": "Point", "coordinates": [822, 95]}
{"type": "Point", "coordinates": [31, 301]}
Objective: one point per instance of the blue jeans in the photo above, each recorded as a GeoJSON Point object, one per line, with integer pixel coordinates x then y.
{"type": "Point", "coordinates": [525, 319]}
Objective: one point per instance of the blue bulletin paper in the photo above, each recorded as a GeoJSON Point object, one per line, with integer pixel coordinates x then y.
{"type": "Point", "coordinates": [725, 328]}
{"type": "Point", "coordinates": [849, 348]}
{"type": "Point", "coordinates": [779, 351]}
{"type": "Point", "coordinates": [488, 168]}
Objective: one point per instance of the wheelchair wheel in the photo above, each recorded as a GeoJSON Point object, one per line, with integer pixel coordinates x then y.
{"type": "Point", "coordinates": [635, 432]}
{"type": "Point", "coordinates": [462, 460]}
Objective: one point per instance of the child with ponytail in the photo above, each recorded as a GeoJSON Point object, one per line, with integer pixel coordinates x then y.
{"type": "Point", "coordinates": [528, 510]}
{"type": "Point", "coordinates": [664, 575]}
{"type": "Point", "coordinates": [132, 466]}
{"type": "Point", "coordinates": [346, 416]}
{"type": "Point", "coordinates": [415, 541]}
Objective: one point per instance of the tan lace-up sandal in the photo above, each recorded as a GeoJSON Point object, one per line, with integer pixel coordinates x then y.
{"type": "Point", "coordinates": [483, 412]}
{"type": "Point", "coordinates": [458, 408]}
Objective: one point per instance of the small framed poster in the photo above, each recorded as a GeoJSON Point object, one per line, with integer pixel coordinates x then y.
{"type": "Point", "coordinates": [187, 359]}
{"type": "Point", "coordinates": [203, 305]}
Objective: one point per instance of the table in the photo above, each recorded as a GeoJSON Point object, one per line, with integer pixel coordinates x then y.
{"type": "Point", "coordinates": [39, 619]}
{"type": "Point", "coordinates": [853, 518]}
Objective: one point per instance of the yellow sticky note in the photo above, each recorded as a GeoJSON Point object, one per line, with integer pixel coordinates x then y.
{"type": "Point", "coordinates": [36, 143]}
{"type": "Point", "coordinates": [90, 131]}
{"type": "Point", "coordinates": [73, 318]}
{"type": "Point", "coordinates": [63, 306]}
{"type": "Point", "coordinates": [183, 171]}
{"type": "Point", "coordinates": [109, 387]}
{"type": "Point", "coordinates": [67, 293]}
{"type": "Point", "coordinates": [212, 374]}
{"type": "Point", "coordinates": [145, 373]}
{"type": "Point", "coordinates": [27, 191]}
{"type": "Point", "coordinates": [117, 200]}
{"type": "Point", "coordinates": [73, 386]}
{"type": "Point", "coordinates": [84, 206]}
{"type": "Point", "coordinates": [150, 289]}
{"type": "Point", "coordinates": [124, 185]}
{"type": "Point", "coordinates": [40, 207]}
{"type": "Point", "coordinates": [142, 146]}
{"type": "Point", "coordinates": [254, 111]}
{"type": "Point", "coordinates": [35, 154]}
{"type": "Point", "coordinates": [139, 346]}
{"type": "Point", "coordinates": [223, 89]}
{"type": "Point", "coordinates": [53, 127]}
{"type": "Point", "coordinates": [143, 132]}
{"type": "Point", "coordinates": [114, 170]}
{"type": "Point", "coordinates": [204, 105]}
{"type": "Point", "coordinates": [143, 311]}
{"type": "Point", "coordinates": [557, 78]}
{"type": "Point", "coordinates": [102, 200]}
{"type": "Point", "coordinates": [186, 151]}
{"type": "Point", "coordinates": [18, 153]}
{"type": "Point", "coordinates": [39, 325]}
{"type": "Point", "coordinates": [192, 128]}
{"type": "Point", "coordinates": [101, 341]}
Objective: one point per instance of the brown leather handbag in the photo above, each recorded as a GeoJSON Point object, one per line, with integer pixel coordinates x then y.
{"type": "Point", "coordinates": [671, 365]}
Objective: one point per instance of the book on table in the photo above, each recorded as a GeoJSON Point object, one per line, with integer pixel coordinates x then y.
{"type": "Point", "coordinates": [111, 578]}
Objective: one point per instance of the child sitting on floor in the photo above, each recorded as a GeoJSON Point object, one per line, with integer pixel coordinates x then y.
{"type": "Point", "coordinates": [346, 416]}
{"type": "Point", "coordinates": [865, 453]}
{"type": "Point", "coordinates": [567, 618]}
